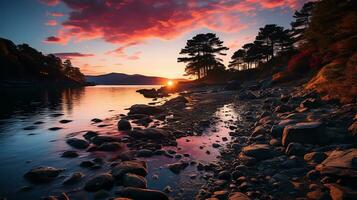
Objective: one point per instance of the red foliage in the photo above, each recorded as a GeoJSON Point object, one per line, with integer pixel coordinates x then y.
{"type": "Point", "coordinates": [304, 61]}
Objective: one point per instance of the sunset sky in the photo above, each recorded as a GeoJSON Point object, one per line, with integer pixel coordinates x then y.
{"type": "Point", "coordinates": [135, 36]}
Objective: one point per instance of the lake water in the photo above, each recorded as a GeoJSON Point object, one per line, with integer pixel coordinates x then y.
{"type": "Point", "coordinates": [26, 141]}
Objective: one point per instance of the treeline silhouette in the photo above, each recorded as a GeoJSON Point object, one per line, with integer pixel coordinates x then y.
{"type": "Point", "coordinates": [319, 48]}
{"type": "Point", "coordinates": [22, 63]}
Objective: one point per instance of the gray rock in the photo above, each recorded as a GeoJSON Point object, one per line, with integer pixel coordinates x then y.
{"type": "Point", "coordinates": [133, 180]}
{"type": "Point", "coordinates": [315, 157]}
{"type": "Point", "coordinates": [124, 125]}
{"type": "Point", "coordinates": [69, 154]}
{"type": "Point", "coordinates": [42, 174]}
{"type": "Point", "coordinates": [258, 151]}
{"type": "Point", "coordinates": [340, 163]}
{"type": "Point", "coordinates": [144, 109]}
{"type": "Point", "coordinates": [142, 194]}
{"type": "Point", "coordinates": [177, 167]}
{"type": "Point", "coordinates": [144, 153]}
{"type": "Point", "coordinates": [73, 178]}
{"type": "Point", "coordinates": [295, 149]}
{"type": "Point", "coordinates": [77, 143]}
{"type": "Point", "coordinates": [102, 181]}
{"type": "Point", "coordinates": [134, 167]}
{"type": "Point", "coordinates": [304, 133]}
{"type": "Point", "coordinates": [110, 146]}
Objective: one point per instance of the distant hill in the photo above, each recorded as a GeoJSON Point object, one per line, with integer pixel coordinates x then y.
{"type": "Point", "coordinates": [126, 79]}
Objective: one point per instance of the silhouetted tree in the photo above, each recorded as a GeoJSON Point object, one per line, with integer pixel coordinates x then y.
{"type": "Point", "coordinates": [237, 60]}
{"type": "Point", "coordinates": [301, 22]}
{"type": "Point", "coordinates": [202, 51]}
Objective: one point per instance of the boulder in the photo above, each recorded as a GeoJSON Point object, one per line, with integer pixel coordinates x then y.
{"type": "Point", "coordinates": [151, 133]}
{"type": "Point", "coordinates": [295, 149]}
{"type": "Point", "coordinates": [310, 103]}
{"type": "Point", "coordinates": [42, 174]}
{"type": "Point", "coordinates": [142, 194]}
{"type": "Point", "coordinates": [278, 129]}
{"type": "Point", "coordinates": [177, 167]}
{"type": "Point", "coordinates": [134, 167]}
{"type": "Point", "coordinates": [342, 163]}
{"type": "Point", "coordinates": [73, 178]}
{"type": "Point", "coordinates": [69, 154]}
{"type": "Point", "coordinates": [133, 180]}
{"type": "Point", "coordinates": [102, 181]}
{"type": "Point", "coordinates": [338, 192]}
{"type": "Point", "coordinates": [77, 143]}
{"type": "Point", "coordinates": [144, 109]}
{"type": "Point", "coordinates": [304, 133]}
{"type": "Point", "coordinates": [258, 151]}
{"type": "Point", "coordinates": [124, 125]}
{"type": "Point", "coordinates": [315, 157]}
{"type": "Point", "coordinates": [110, 146]}
{"type": "Point", "coordinates": [177, 101]}
{"type": "Point", "coordinates": [238, 196]}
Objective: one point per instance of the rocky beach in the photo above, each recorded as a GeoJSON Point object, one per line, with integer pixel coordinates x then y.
{"type": "Point", "coordinates": [258, 142]}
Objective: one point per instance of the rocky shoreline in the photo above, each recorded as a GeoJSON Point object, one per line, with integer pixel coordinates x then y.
{"type": "Point", "coordinates": [286, 143]}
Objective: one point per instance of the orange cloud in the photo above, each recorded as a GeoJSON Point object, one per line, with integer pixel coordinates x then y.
{"type": "Point", "coordinates": [51, 23]}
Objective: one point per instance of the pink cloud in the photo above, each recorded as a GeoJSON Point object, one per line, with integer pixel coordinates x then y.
{"type": "Point", "coordinates": [51, 23]}
{"type": "Point", "coordinates": [69, 55]}
{"type": "Point", "coordinates": [131, 22]}
{"type": "Point", "coordinates": [50, 2]}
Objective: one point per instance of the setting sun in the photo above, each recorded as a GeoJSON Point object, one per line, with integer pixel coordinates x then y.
{"type": "Point", "coordinates": [170, 83]}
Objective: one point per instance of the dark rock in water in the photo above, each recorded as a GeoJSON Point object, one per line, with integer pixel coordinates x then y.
{"type": "Point", "coordinates": [87, 164]}
{"type": "Point", "coordinates": [238, 196]}
{"type": "Point", "coordinates": [338, 192]}
{"type": "Point", "coordinates": [133, 180]}
{"type": "Point", "coordinates": [70, 154]}
{"type": "Point", "coordinates": [101, 181]}
{"type": "Point", "coordinates": [73, 178]}
{"type": "Point", "coordinates": [56, 115]}
{"type": "Point", "coordinates": [315, 157]}
{"type": "Point", "coordinates": [134, 167]}
{"type": "Point", "coordinates": [177, 167]}
{"type": "Point", "coordinates": [310, 103]}
{"type": "Point", "coordinates": [295, 149]}
{"type": "Point", "coordinates": [304, 133]}
{"type": "Point", "coordinates": [96, 120]}
{"type": "Point", "coordinates": [30, 128]}
{"type": "Point", "coordinates": [136, 116]}
{"type": "Point", "coordinates": [101, 139]}
{"type": "Point", "coordinates": [55, 128]}
{"type": "Point", "coordinates": [144, 109]}
{"type": "Point", "coordinates": [65, 121]}
{"type": "Point", "coordinates": [152, 133]}
{"type": "Point", "coordinates": [124, 125]}
{"type": "Point", "coordinates": [342, 163]}
{"type": "Point", "coordinates": [258, 151]}
{"type": "Point", "coordinates": [39, 122]}
{"type": "Point", "coordinates": [151, 93]}
{"type": "Point", "coordinates": [42, 174]}
{"type": "Point", "coordinates": [90, 135]}
{"type": "Point", "coordinates": [144, 153]}
{"type": "Point", "coordinates": [142, 194]}
{"type": "Point", "coordinates": [109, 146]}
{"type": "Point", "coordinates": [77, 143]}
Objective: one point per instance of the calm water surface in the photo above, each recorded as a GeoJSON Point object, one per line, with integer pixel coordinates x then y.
{"type": "Point", "coordinates": [21, 150]}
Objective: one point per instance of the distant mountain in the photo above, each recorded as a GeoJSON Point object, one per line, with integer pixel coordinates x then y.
{"type": "Point", "coordinates": [126, 79]}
